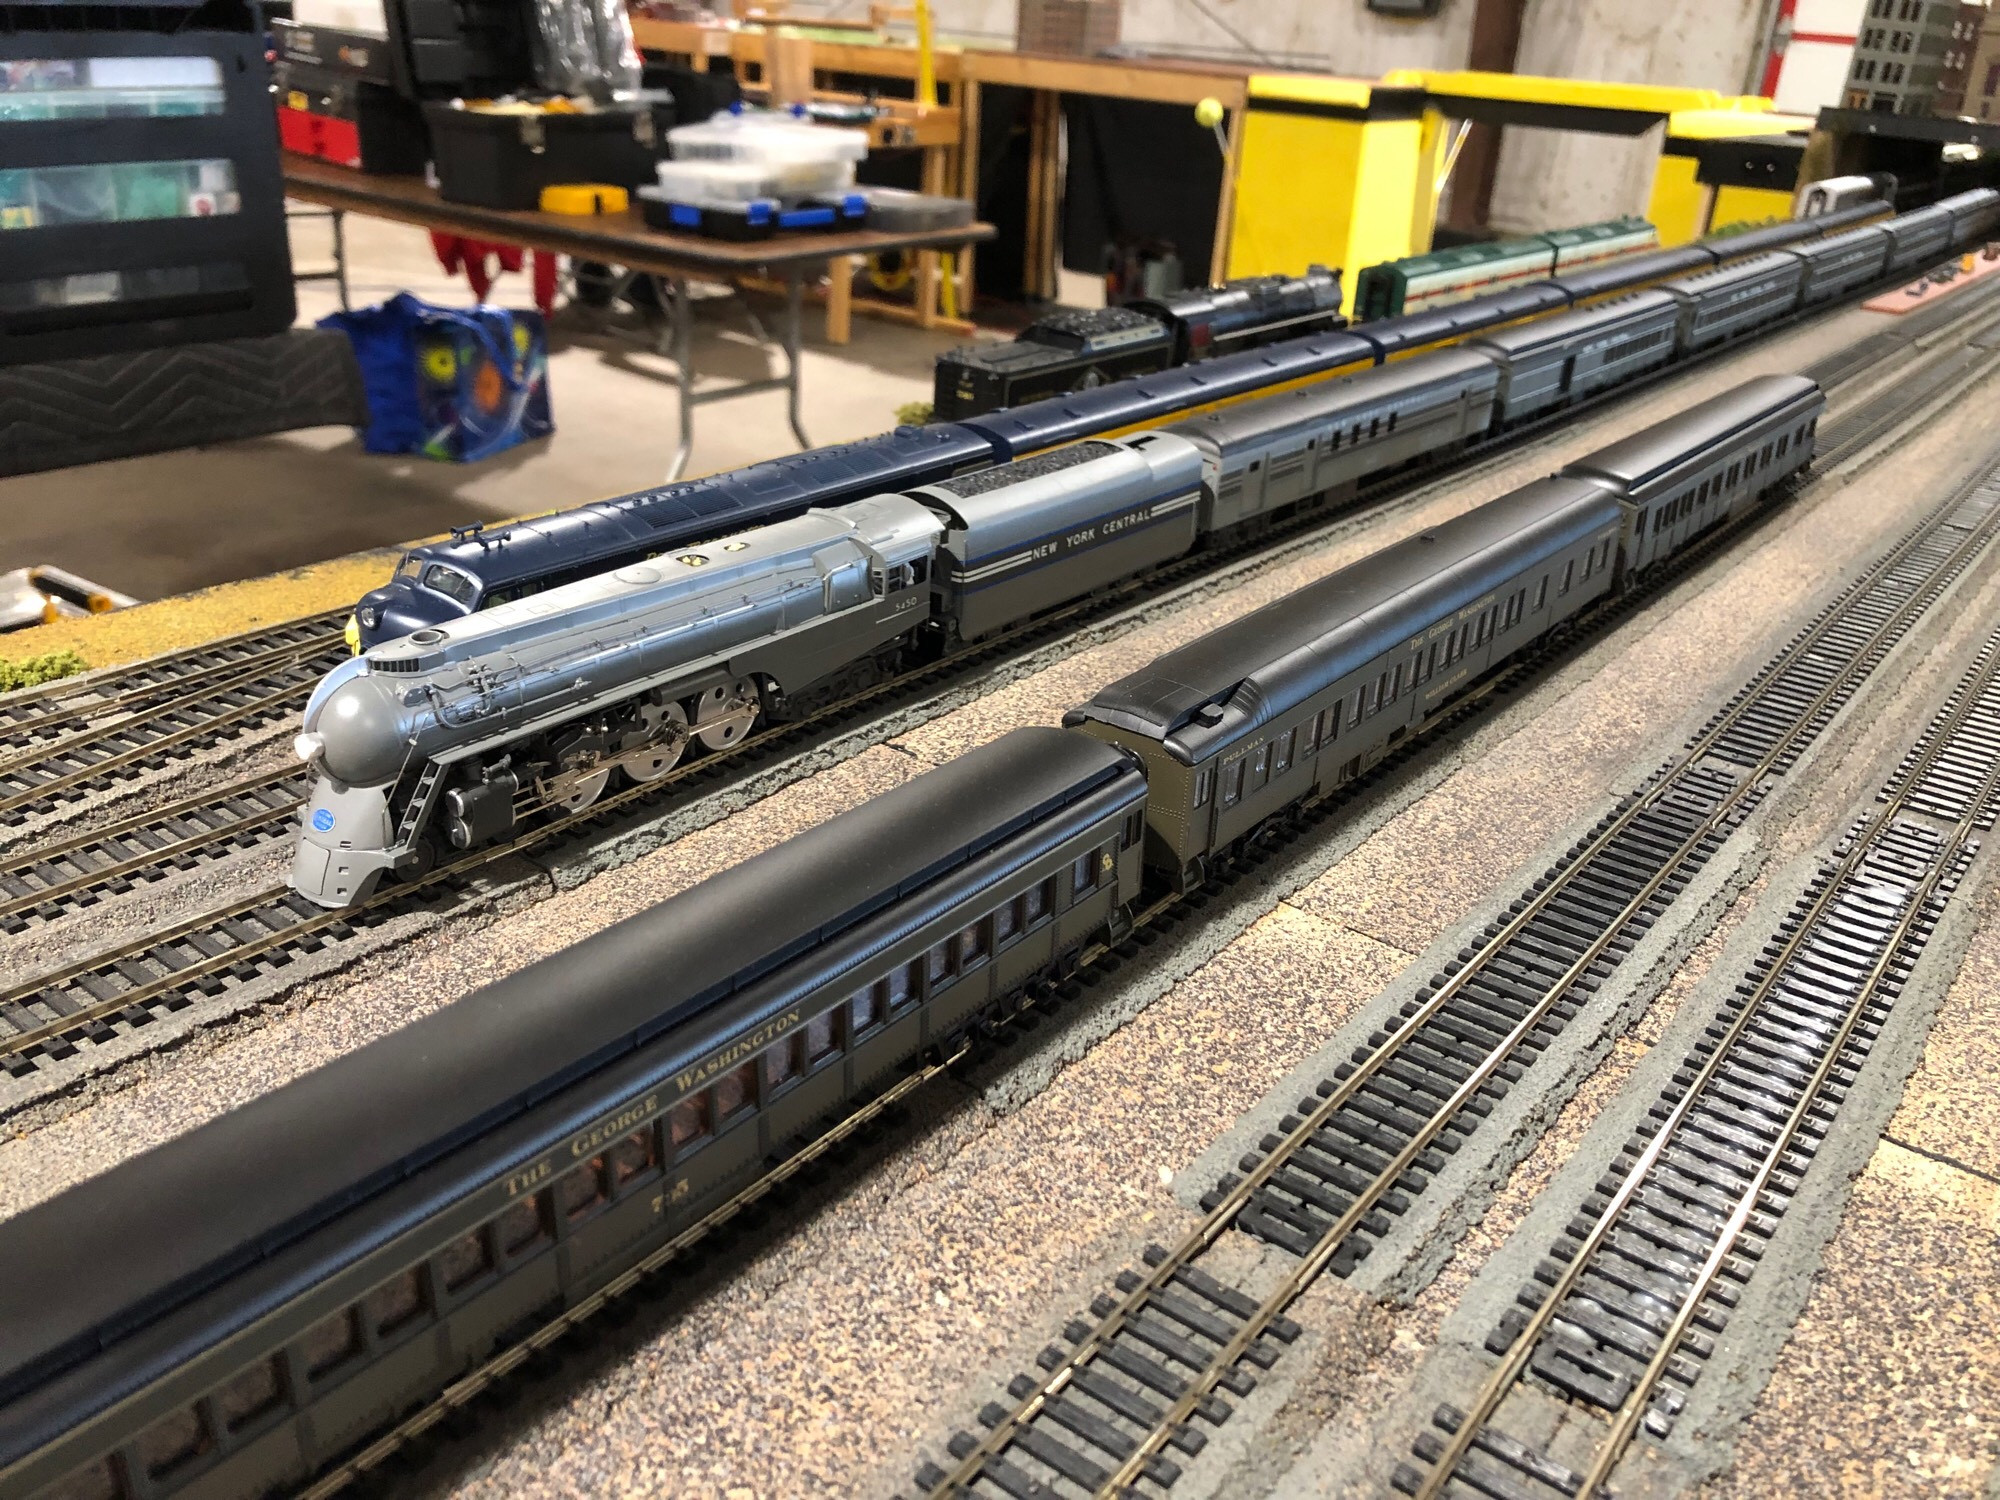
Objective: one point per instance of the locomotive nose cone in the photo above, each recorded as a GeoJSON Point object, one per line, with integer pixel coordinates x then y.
{"type": "Point", "coordinates": [364, 734]}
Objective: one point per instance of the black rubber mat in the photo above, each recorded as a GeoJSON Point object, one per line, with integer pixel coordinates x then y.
{"type": "Point", "coordinates": [82, 411]}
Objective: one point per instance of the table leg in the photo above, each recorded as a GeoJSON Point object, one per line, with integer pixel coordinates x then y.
{"type": "Point", "coordinates": [840, 299]}
{"type": "Point", "coordinates": [683, 331]}
{"type": "Point", "coordinates": [340, 255]}
{"type": "Point", "coordinates": [795, 296]}
{"type": "Point", "coordinates": [927, 288]}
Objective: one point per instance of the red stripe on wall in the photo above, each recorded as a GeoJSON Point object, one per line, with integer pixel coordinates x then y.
{"type": "Point", "coordinates": [1774, 60]}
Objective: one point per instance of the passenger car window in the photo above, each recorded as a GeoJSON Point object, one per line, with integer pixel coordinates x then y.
{"type": "Point", "coordinates": [394, 1303]}
{"type": "Point", "coordinates": [172, 1441]}
{"type": "Point", "coordinates": [1204, 785]}
{"type": "Point", "coordinates": [464, 1260]}
{"type": "Point", "coordinates": [249, 1394]}
{"type": "Point", "coordinates": [1281, 753]}
{"type": "Point", "coordinates": [1260, 765]}
{"type": "Point", "coordinates": [867, 1006]}
{"type": "Point", "coordinates": [581, 1190]}
{"type": "Point", "coordinates": [1082, 877]}
{"type": "Point", "coordinates": [1036, 904]}
{"type": "Point", "coordinates": [688, 1122]}
{"type": "Point", "coordinates": [1232, 782]}
{"type": "Point", "coordinates": [1006, 923]}
{"type": "Point", "coordinates": [735, 1093]}
{"type": "Point", "coordinates": [937, 964]}
{"type": "Point", "coordinates": [331, 1342]}
{"type": "Point", "coordinates": [822, 1037]}
{"type": "Point", "coordinates": [783, 1062]}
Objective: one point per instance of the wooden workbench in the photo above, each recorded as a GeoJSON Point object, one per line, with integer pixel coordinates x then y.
{"type": "Point", "coordinates": [625, 240]}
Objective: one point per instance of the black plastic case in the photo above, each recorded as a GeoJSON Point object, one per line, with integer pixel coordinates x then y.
{"type": "Point", "coordinates": [183, 279]}
{"type": "Point", "coordinates": [504, 161]}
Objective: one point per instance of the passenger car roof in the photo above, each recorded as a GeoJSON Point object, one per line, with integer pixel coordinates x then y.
{"type": "Point", "coordinates": [125, 1247]}
{"type": "Point", "coordinates": [1280, 655]}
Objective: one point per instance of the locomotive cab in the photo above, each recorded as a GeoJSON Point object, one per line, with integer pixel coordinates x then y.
{"type": "Point", "coordinates": [420, 593]}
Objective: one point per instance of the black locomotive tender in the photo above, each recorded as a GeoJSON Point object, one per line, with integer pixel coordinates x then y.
{"type": "Point", "coordinates": [1079, 350]}
{"type": "Point", "coordinates": [620, 674]}
{"type": "Point", "coordinates": [234, 1310]}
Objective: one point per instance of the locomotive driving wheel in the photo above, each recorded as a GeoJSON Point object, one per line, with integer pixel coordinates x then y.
{"type": "Point", "coordinates": [723, 715]}
{"type": "Point", "coordinates": [666, 742]}
{"type": "Point", "coordinates": [576, 791]}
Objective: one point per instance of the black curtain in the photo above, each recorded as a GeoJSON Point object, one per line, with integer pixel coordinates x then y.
{"type": "Point", "coordinates": [1139, 173]}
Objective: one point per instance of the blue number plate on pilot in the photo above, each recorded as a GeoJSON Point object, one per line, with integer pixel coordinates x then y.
{"type": "Point", "coordinates": [323, 821]}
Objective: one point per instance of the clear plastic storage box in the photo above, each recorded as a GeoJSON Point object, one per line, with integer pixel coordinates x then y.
{"type": "Point", "coordinates": [743, 181]}
{"type": "Point", "coordinates": [766, 136]}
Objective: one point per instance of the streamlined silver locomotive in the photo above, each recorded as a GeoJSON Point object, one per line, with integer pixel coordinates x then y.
{"type": "Point", "coordinates": [430, 741]}
{"type": "Point", "coordinates": [446, 738]}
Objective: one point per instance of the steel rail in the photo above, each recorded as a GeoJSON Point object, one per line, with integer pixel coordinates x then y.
{"type": "Point", "coordinates": [1624, 1424]}
{"type": "Point", "coordinates": [1858, 665]}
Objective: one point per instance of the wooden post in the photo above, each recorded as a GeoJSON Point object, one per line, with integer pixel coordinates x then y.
{"type": "Point", "coordinates": [788, 67]}
{"type": "Point", "coordinates": [966, 95]}
{"type": "Point", "coordinates": [1044, 193]}
{"type": "Point", "coordinates": [1225, 209]}
{"type": "Point", "coordinates": [840, 298]}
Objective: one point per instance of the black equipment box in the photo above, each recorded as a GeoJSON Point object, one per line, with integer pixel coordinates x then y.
{"type": "Point", "coordinates": [139, 222]}
{"type": "Point", "coordinates": [471, 49]}
{"type": "Point", "coordinates": [350, 121]}
{"type": "Point", "coordinates": [503, 160]}
{"type": "Point", "coordinates": [1070, 351]}
{"type": "Point", "coordinates": [349, 53]}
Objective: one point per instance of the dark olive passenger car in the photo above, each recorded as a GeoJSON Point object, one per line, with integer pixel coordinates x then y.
{"type": "Point", "coordinates": [1309, 691]}
{"type": "Point", "coordinates": [231, 1310]}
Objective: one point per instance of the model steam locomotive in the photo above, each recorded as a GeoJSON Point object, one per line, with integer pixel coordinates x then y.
{"type": "Point", "coordinates": [1077, 350]}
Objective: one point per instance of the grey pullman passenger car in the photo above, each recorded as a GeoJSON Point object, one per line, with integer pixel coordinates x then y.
{"type": "Point", "coordinates": [229, 1312]}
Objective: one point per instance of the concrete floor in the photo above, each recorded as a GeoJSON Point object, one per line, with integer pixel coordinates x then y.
{"type": "Point", "coordinates": [172, 522]}
{"type": "Point", "coordinates": [822, 1357]}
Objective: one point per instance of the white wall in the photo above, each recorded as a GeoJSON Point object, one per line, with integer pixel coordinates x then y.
{"type": "Point", "coordinates": [1339, 36]}
{"type": "Point", "coordinates": [1546, 178]}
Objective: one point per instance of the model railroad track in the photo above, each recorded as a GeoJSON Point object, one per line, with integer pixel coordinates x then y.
{"type": "Point", "coordinates": [1202, 1301]}
{"type": "Point", "coordinates": [1626, 1310]}
{"type": "Point", "coordinates": [1872, 354]}
{"type": "Point", "coordinates": [177, 722]}
{"type": "Point", "coordinates": [62, 879]}
{"type": "Point", "coordinates": [1117, 1398]}
{"type": "Point", "coordinates": [30, 716]}
{"type": "Point", "coordinates": [50, 883]}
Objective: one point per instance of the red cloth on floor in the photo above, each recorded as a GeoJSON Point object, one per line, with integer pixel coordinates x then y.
{"type": "Point", "coordinates": [456, 252]}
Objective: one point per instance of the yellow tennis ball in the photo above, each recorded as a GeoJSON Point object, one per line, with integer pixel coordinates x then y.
{"type": "Point", "coordinates": [1208, 113]}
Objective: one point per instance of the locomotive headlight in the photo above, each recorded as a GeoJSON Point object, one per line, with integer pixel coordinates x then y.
{"type": "Point", "coordinates": [369, 616]}
{"type": "Point", "coordinates": [308, 746]}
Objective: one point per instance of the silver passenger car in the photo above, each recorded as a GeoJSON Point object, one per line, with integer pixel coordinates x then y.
{"type": "Point", "coordinates": [1027, 536]}
{"type": "Point", "coordinates": [1263, 456]}
{"type": "Point", "coordinates": [1550, 361]}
